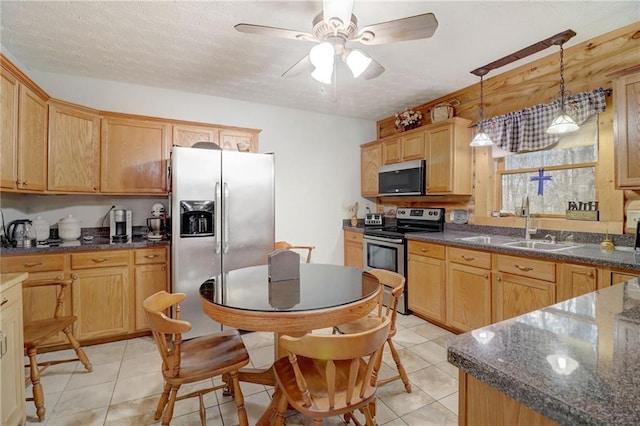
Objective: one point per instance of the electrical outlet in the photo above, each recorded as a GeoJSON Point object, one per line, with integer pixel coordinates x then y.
{"type": "Point", "coordinates": [633, 216]}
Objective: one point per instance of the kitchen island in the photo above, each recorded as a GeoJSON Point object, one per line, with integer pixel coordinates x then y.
{"type": "Point", "coordinates": [575, 362]}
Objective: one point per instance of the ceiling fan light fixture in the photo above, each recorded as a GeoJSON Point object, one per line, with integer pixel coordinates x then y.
{"type": "Point", "coordinates": [358, 62]}
{"type": "Point", "coordinates": [323, 75]}
{"type": "Point", "coordinates": [322, 56]}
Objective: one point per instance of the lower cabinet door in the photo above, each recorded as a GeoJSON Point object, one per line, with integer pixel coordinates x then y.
{"type": "Point", "coordinates": [515, 295]}
{"type": "Point", "coordinates": [426, 279]}
{"type": "Point", "coordinates": [149, 279]}
{"type": "Point", "coordinates": [101, 300]}
{"type": "Point", "coordinates": [468, 297]}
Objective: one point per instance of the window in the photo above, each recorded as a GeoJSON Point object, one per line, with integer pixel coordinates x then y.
{"type": "Point", "coordinates": [552, 177]}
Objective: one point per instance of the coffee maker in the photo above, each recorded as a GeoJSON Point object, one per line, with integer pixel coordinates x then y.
{"type": "Point", "coordinates": [120, 226]}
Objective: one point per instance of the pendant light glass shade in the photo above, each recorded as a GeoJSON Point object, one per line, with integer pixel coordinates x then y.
{"type": "Point", "coordinates": [562, 123]}
{"type": "Point", "coordinates": [358, 62]}
{"type": "Point", "coordinates": [481, 138]}
{"type": "Point", "coordinates": [322, 56]}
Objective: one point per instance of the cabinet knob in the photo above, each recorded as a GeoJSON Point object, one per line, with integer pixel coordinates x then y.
{"type": "Point", "coordinates": [164, 268]}
{"type": "Point", "coordinates": [424, 250]}
{"type": "Point", "coordinates": [499, 278]}
{"type": "Point", "coordinates": [151, 256]}
{"type": "Point", "coordinates": [4, 300]}
{"type": "Point", "coordinates": [100, 260]}
{"type": "Point", "coordinates": [523, 268]}
{"type": "Point", "coordinates": [486, 276]}
{"type": "Point", "coordinates": [74, 276]}
{"type": "Point", "coordinates": [468, 259]}
{"type": "Point", "coordinates": [95, 188]}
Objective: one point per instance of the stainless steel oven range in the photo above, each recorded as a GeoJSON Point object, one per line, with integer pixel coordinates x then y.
{"type": "Point", "coordinates": [385, 245]}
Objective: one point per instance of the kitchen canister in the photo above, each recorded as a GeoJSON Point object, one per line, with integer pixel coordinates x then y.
{"type": "Point", "coordinates": [69, 228]}
{"type": "Point", "coordinates": [41, 228]}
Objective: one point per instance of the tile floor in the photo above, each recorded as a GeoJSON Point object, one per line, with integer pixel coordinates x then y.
{"type": "Point", "coordinates": [126, 382]}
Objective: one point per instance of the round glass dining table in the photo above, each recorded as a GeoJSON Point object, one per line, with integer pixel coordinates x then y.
{"type": "Point", "coordinates": [323, 296]}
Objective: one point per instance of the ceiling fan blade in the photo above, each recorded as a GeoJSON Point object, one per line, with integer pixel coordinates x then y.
{"type": "Point", "coordinates": [411, 28]}
{"type": "Point", "coordinates": [299, 67]}
{"type": "Point", "coordinates": [373, 70]}
{"type": "Point", "coordinates": [273, 32]}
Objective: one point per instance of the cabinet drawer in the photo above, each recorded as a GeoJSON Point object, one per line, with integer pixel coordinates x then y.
{"type": "Point", "coordinates": [538, 269]}
{"type": "Point", "coordinates": [479, 259]}
{"type": "Point", "coordinates": [99, 259]}
{"type": "Point", "coordinates": [40, 263]}
{"type": "Point", "coordinates": [353, 236]}
{"type": "Point", "coordinates": [435, 251]}
{"type": "Point", "coordinates": [146, 256]}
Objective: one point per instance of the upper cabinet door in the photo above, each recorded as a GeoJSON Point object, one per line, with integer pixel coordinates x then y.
{"type": "Point", "coordinates": [186, 135]}
{"type": "Point", "coordinates": [74, 148]}
{"type": "Point", "coordinates": [627, 131]}
{"type": "Point", "coordinates": [8, 130]}
{"type": "Point", "coordinates": [413, 147]}
{"type": "Point", "coordinates": [32, 140]}
{"type": "Point", "coordinates": [133, 156]}
{"type": "Point", "coordinates": [370, 162]}
{"type": "Point", "coordinates": [392, 151]}
{"type": "Point", "coordinates": [239, 140]}
{"type": "Point", "coordinates": [449, 160]}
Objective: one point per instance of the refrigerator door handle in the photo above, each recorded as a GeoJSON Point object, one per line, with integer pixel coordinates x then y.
{"type": "Point", "coordinates": [218, 219]}
{"type": "Point", "coordinates": [225, 218]}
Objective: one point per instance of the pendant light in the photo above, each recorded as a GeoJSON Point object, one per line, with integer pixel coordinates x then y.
{"type": "Point", "coordinates": [563, 123]}
{"type": "Point", "coordinates": [481, 138]}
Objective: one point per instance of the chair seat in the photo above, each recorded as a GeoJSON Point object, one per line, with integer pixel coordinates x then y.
{"type": "Point", "coordinates": [316, 384]}
{"type": "Point", "coordinates": [208, 356]}
{"type": "Point", "coordinates": [36, 331]}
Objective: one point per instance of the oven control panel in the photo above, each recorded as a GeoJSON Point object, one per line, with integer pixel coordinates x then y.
{"type": "Point", "coordinates": [433, 214]}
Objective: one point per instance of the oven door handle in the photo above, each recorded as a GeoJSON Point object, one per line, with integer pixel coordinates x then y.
{"type": "Point", "coordinates": [384, 240]}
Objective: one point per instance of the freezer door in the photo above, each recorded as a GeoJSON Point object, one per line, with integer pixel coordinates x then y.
{"type": "Point", "coordinates": [248, 209]}
{"type": "Point", "coordinates": [195, 176]}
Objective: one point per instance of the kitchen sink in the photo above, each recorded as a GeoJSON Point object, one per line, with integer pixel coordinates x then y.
{"type": "Point", "coordinates": [540, 245]}
{"type": "Point", "coordinates": [486, 239]}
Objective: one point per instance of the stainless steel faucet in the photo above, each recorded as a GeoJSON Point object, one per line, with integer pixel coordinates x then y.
{"type": "Point", "coordinates": [528, 230]}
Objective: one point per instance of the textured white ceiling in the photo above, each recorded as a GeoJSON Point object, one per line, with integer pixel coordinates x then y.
{"type": "Point", "coordinates": [192, 46]}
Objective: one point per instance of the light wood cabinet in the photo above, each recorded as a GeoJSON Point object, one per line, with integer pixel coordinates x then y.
{"type": "Point", "coordinates": [449, 157]}
{"type": "Point", "coordinates": [392, 151]}
{"type": "Point", "coordinates": [370, 162]}
{"type": "Point", "coordinates": [576, 280]}
{"type": "Point", "coordinates": [133, 156]}
{"type": "Point", "coordinates": [480, 403]}
{"type": "Point", "coordinates": [626, 129]}
{"type": "Point", "coordinates": [522, 285]}
{"type": "Point", "coordinates": [612, 276]}
{"type": "Point", "coordinates": [12, 408]}
{"type": "Point", "coordinates": [235, 139]}
{"type": "Point", "coordinates": [413, 147]}
{"type": "Point", "coordinates": [426, 280]}
{"type": "Point", "coordinates": [8, 130]}
{"type": "Point", "coordinates": [32, 141]}
{"type": "Point", "coordinates": [229, 138]}
{"type": "Point", "coordinates": [468, 288]}
{"type": "Point", "coordinates": [353, 255]}
{"type": "Point", "coordinates": [74, 148]}
{"type": "Point", "coordinates": [187, 135]}
{"type": "Point", "coordinates": [151, 276]}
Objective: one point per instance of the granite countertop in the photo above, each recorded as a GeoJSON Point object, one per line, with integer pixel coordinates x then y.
{"type": "Point", "coordinates": [98, 243]}
{"type": "Point", "coordinates": [575, 362]}
{"type": "Point", "coordinates": [624, 257]}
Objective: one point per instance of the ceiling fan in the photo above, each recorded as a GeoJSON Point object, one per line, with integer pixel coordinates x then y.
{"type": "Point", "coordinates": [333, 28]}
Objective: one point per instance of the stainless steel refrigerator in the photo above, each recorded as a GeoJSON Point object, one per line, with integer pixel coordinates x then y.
{"type": "Point", "coordinates": [222, 218]}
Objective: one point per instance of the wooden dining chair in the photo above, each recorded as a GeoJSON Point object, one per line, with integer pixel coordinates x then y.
{"type": "Point", "coordinates": [394, 282]}
{"type": "Point", "coordinates": [38, 331]}
{"type": "Point", "coordinates": [327, 375]}
{"type": "Point", "coordinates": [220, 354]}
{"type": "Point", "coordinates": [285, 245]}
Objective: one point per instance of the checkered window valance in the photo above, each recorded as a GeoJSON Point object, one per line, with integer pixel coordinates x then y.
{"type": "Point", "coordinates": [525, 130]}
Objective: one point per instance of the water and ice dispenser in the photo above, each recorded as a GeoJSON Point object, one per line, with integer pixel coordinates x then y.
{"type": "Point", "coordinates": [196, 218]}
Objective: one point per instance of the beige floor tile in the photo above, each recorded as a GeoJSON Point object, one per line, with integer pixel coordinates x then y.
{"type": "Point", "coordinates": [409, 321]}
{"type": "Point", "coordinates": [430, 352]}
{"type": "Point", "coordinates": [257, 339]}
{"type": "Point", "coordinates": [395, 422]}
{"type": "Point", "coordinates": [397, 399]}
{"type": "Point", "coordinates": [261, 357]}
{"type": "Point", "coordinates": [106, 352]}
{"type": "Point", "coordinates": [442, 341]}
{"type": "Point", "coordinates": [434, 382]}
{"type": "Point", "coordinates": [141, 364]}
{"type": "Point", "coordinates": [54, 378]}
{"type": "Point", "coordinates": [140, 346]}
{"type": "Point", "coordinates": [95, 417]}
{"type": "Point", "coordinates": [136, 387]}
{"type": "Point", "coordinates": [431, 415]}
{"type": "Point", "coordinates": [451, 402]}
{"type": "Point", "coordinates": [102, 373]}
{"type": "Point", "coordinates": [83, 399]}
{"type": "Point", "coordinates": [255, 406]}
{"type": "Point", "coordinates": [448, 368]}
{"type": "Point", "coordinates": [410, 361]}
{"type": "Point", "coordinates": [406, 338]}
{"type": "Point", "coordinates": [430, 331]}
{"type": "Point", "coordinates": [132, 413]}
{"type": "Point", "coordinates": [50, 401]}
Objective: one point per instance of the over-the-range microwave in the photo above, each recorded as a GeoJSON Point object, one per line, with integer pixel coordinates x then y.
{"type": "Point", "coordinates": [406, 178]}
